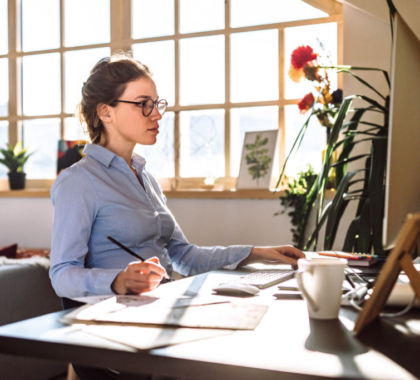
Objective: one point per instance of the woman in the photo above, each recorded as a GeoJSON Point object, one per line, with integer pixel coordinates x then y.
{"type": "Point", "coordinates": [109, 192]}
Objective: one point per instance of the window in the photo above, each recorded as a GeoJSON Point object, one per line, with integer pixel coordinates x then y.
{"type": "Point", "coordinates": [221, 65]}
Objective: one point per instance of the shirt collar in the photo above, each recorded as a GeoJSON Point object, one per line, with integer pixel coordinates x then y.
{"type": "Point", "coordinates": [105, 156]}
{"type": "Point", "coordinates": [99, 153]}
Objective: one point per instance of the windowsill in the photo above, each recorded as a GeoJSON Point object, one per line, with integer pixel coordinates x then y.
{"type": "Point", "coordinates": [180, 194]}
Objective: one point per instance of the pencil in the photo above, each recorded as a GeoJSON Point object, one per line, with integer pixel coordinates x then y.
{"type": "Point", "coordinates": [340, 255]}
{"type": "Point", "coordinates": [128, 250]}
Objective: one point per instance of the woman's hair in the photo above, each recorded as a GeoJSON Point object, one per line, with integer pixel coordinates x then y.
{"type": "Point", "coordinates": [106, 83]}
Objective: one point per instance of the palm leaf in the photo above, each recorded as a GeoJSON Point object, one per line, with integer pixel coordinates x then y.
{"type": "Point", "coordinates": [361, 81]}
{"type": "Point", "coordinates": [337, 209]}
{"type": "Point", "coordinates": [347, 160]}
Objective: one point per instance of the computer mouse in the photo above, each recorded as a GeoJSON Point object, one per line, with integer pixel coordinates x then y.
{"type": "Point", "coordinates": [237, 290]}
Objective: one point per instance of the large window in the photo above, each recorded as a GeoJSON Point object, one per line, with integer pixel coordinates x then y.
{"type": "Point", "coordinates": [221, 64]}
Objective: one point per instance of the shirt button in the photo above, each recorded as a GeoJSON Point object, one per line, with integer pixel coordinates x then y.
{"type": "Point", "coordinates": [156, 213]}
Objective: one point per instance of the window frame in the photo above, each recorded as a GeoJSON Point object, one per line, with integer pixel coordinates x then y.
{"type": "Point", "coordinates": [121, 39]}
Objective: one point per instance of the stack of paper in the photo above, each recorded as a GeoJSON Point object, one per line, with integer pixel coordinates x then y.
{"type": "Point", "coordinates": [147, 322]}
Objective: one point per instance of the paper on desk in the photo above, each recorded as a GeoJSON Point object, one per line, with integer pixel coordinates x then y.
{"type": "Point", "coordinates": [239, 316]}
{"type": "Point", "coordinates": [146, 338]}
{"type": "Point", "coordinates": [142, 300]}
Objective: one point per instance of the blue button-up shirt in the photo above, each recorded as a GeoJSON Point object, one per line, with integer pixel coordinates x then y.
{"type": "Point", "coordinates": [100, 196]}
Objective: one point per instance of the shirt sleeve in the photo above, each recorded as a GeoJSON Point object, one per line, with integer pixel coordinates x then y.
{"type": "Point", "coordinates": [75, 208]}
{"type": "Point", "coordinates": [190, 259]}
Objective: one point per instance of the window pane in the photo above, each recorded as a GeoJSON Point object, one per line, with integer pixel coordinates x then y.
{"type": "Point", "coordinates": [4, 87]}
{"type": "Point", "coordinates": [160, 57]}
{"type": "Point", "coordinates": [4, 138]}
{"type": "Point", "coordinates": [202, 15]}
{"type": "Point", "coordinates": [78, 65]}
{"type": "Point", "coordinates": [160, 157]}
{"type": "Point", "coordinates": [73, 130]}
{"type": "Point", "coordinates": [4, 43]}
{"type": "Point", "coordinates": [323, 39]}
{"type": "Point", "coordinates": [87, 22]}
{"type": "Point", "coordinates": [254, 69]}
{"type": "Point", "coordinates": [41, 84]}
{"type": "Point", "coordinates": [202, 70]}
{"type": "Point", "coordinates": [248, 120]}
{"type": "Point", "coordinates": [40, 24]}
{"type": "Point", "coordinates": [153, 18]}
{"type": "Point", "coordinates": [310, 151]}
{"type": "Point", "coordinates": [261, 12]}
{"type": "Point", "coordinates": [41, 136]}
{"type": "Point", "coordinates": [202, 143]}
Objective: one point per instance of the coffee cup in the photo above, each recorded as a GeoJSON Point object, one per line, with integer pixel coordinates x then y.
{"type": "Point", "coordinates": [321, 283]}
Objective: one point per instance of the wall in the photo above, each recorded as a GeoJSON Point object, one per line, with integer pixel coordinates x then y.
{"type": "Point", "coordinates": [27, 221]}
{"type": "Point", "coordinates": [222, 222]}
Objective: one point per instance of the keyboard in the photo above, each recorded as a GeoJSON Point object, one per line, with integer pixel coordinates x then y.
{"type": "Point", "coordinates": [264, 279]}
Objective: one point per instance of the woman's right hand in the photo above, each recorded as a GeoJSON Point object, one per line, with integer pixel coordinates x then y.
{"type": "Point", "coordinates": [139, 277]}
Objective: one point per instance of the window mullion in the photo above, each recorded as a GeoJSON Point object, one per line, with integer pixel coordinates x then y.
{"type": "Point", "coordinates": [177, 134]}
{"type": "Point", "coordinates": [62, 68]}
{"type": "Point", "coordinates": [282, 126]}
{"type": "Point", "coordinates": [227, 90]}
{"type": "Point", "coordinates": [14, 67]}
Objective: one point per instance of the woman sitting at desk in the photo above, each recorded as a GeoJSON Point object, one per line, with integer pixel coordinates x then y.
{"type": "Point", "coordinates": [109, 192]}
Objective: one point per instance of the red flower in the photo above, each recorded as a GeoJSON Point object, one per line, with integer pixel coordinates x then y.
{"type": "Point", "coordinates": [302, 55]}
{"type": "Point", "coordinates": [306, 103]}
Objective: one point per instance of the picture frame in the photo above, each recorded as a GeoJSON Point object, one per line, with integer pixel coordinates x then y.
{"type": "Point", "coordinates": [257, 159]}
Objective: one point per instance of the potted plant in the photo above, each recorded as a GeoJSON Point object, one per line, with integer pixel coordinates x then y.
{"type": "Point", "coordinates": [14, 159]}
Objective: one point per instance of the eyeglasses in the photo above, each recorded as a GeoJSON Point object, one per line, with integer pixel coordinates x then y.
{"type": "Point", "coordinates": [148, 105]}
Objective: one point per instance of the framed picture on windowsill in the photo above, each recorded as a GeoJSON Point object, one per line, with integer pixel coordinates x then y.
{"type": "Point", "coordinates": [257, 160]}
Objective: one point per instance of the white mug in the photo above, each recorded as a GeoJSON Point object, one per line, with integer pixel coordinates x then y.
{"type": "Point", "coordinates": [321, 283]}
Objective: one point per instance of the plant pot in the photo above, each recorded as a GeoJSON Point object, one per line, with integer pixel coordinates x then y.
{"type": "Point", "coordinates": [16, 180]}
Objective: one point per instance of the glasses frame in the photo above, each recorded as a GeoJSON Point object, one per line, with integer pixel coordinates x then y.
{"type": "Point", "coordinates": [155, 103]}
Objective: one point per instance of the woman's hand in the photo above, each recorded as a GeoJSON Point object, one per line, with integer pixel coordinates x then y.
{"type": "Point", "coordinates": [285, 254]}
{"type": "Point", "coordinates": [139, 277]}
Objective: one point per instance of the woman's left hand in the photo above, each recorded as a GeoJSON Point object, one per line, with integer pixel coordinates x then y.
{"type": "Point", "coordinates": [285, 254]}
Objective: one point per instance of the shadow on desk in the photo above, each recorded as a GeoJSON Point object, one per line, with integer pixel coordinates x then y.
{"type": "Point", "coordinates": [395, 340]}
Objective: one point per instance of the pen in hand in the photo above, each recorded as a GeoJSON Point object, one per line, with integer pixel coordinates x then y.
{"type": "Point", "coordinates": [128, 250]}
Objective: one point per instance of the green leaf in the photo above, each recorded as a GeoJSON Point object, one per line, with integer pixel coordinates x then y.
{"type": "Point", "coordinates": [347, 147]}
{"type": "Point", "coordinates": [337, 208]}
{"type": "Point", "coordinates": [361, 81]}
{"type": "Point", "coordinates": [322, 181]}
{"type": "Point", "coordinates": [373, 102]}
{"type": "Point", "coordinates": [347, 160]}
{"type": "Point", "coordinates": [359, 68]}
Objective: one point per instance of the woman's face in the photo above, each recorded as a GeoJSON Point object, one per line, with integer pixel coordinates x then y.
{"type": "Point", "coordinates": [128, 123]}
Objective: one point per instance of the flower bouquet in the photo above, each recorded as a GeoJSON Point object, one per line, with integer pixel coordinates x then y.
{"type": "Point", "coordinates": [306, 64]}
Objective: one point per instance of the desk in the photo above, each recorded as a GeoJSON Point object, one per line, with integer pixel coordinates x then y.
{"type": "Point", "coordinates": [286, 343]}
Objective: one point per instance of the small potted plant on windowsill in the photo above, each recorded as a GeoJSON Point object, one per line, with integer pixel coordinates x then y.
{"type": "Point", "coordinates": [14, 159]}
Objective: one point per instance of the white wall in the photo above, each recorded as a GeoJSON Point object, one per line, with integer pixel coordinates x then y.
{"type": "Point", "coordinates": [27, 221]}
{"type": "Point", "coordinates": [223, 222]}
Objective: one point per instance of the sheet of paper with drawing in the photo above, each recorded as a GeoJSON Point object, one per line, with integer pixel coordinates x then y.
{"type": "Point", "coordinates": [190, 312]}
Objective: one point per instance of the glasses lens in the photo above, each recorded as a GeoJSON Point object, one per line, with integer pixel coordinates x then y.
{"type": "Point", "coordinates": [162, 106]}
{"type": "Point", "coordinates": [148, 107]}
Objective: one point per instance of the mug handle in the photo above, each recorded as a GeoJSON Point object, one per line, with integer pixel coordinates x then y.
{"type": "Point", "coordinates": [299, 279]}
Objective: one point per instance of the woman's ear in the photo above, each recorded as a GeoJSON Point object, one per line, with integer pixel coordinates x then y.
{"type": "Point", "coordinates": [103, 112]}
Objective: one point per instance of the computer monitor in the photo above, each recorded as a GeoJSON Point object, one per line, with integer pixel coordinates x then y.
{"type": "Point", "coordinates": [402, 191]}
